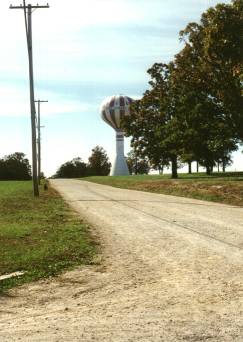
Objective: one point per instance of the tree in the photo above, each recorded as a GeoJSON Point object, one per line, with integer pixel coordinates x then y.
{"type": "Point", "coordinates": [208, 86]}
{"type": "Point", "coordinates": [194, 108]}
{"type": "Point", "coordinates": [223, 51]}
{"type": "Point", "coordinates": [75, 168]}
{"type": "Point", "coordinates": [99, 164]}
{"type": "Point", "coordinates": [152, 123]}
{"type": "Point", "coordinates": [136, 164]}
{"type": "Point", "coordinates": [15, 167]}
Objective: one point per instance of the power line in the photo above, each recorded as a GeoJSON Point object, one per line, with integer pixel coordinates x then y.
{"type": "Point", "coordinates": [28, 9]}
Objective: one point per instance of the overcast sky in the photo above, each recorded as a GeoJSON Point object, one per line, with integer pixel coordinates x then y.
{"type": "Point", "coordinates": [84, 51]}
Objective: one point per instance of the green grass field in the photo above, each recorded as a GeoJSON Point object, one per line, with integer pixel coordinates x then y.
{"type": "Point", "coordinates": [219, 187]}
{"type": "Point", "coordinates": [39, 236]}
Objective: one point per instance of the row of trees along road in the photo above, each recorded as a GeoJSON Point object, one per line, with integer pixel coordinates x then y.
{"type": "Point", "coordinates": [15, 167]}
{"type": "Point", "coordinates": [98, 165]}
{"type": "Point", "coordinates": [193, 110]}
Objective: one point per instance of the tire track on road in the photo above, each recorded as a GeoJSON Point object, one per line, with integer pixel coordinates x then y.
{"type": "Point", "coordinates": [121, 202]}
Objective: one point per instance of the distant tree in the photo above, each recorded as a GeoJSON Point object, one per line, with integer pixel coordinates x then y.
{"type": "Point", "coordinates": [136, 164]}
{"type": "Point", "coordinates": [15, 167]}
{"type": "Point", "coordinates": [42, 175]}
{"type": "Point", "coordinates": [75, 168]}
{"type": "Point", "coordinates": [98, 164]}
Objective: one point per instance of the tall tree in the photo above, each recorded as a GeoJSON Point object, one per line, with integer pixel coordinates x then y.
{"type": "Point", "coordinates": [194, 109]}
{"type": "Point", "coordinates": [99, 164]}
{"type": "Point", "coordinates": [215, 49]}
{"type": "Point", "coordinates": [207, 82]}
{"type": "Point", "coordinates": [152, 123]}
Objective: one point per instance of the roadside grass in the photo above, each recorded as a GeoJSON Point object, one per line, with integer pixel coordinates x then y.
{"type": "Point", "coordinates": [219, 187]}
{"type": "Point", "coordinates": [40, 237]}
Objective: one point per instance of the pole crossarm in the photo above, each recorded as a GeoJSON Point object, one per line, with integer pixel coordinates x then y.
{"type": "Point", "coordinates": [22, 7]}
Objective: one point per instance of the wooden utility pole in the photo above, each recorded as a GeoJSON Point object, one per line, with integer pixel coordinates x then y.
{"type": "Point", "coordinates": [39, 139]}
{"type": "Point", "coordinates": [28, 9]}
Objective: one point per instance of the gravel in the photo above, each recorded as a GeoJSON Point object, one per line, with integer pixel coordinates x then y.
{"type": "Point", "coordinates": [170, 269]}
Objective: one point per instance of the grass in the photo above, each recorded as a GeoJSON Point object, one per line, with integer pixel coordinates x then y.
{"type": "Point", "coordinates": [219, 187]}
{"type": "Point", "coordinates": [41, 236]}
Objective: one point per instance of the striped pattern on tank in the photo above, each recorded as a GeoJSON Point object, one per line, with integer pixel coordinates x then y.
{"type": "Point", "coordinates": [114, 108]}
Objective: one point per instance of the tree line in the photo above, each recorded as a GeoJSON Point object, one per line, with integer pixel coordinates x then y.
{"type": "Point", "coordinates": [98, 165]}
{"type": "Point", "coordinates": [193, 109]}
{"type": "Point", "coordinates": [15, 167]}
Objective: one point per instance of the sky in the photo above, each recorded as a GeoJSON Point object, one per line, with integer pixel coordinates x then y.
{"type": "Point", "coordinates": [84, 51]}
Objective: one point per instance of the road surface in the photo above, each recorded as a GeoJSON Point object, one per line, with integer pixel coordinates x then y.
{"type": "Point", "coordinates": [170, 270]}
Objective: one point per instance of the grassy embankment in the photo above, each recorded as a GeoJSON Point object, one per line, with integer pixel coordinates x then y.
{"type": "Point", "coordinates": [39, 236]}
{"type": "Point", "coordinates": [219, 187]}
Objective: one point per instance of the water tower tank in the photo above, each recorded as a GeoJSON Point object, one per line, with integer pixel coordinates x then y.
{"type": "Point", "coordinates": [113, 109]}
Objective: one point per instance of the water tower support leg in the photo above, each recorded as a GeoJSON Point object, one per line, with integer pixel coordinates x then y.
{"type": "Point", "coordinates": [119, 167]}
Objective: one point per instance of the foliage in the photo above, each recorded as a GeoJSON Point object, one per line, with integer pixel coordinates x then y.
{"type": "Point", "coordinates": [194, 107]}
{"type": "Point", "coordinates": [152, 121]}
{"type": "Point", "coordinates": [15, 167]}
{"type": "Point", "coordinates": [208, 86]}
{"type": "Point", "coordinates": [136, 164]}
{"type": "Point", "coordinates": [99, 164]}
{"type": "Point", "coordinates": [75, 168]}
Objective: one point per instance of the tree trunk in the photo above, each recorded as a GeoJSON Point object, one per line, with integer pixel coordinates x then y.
{"type": "Point", "coordinates": [197, 166]}
{"type": "Point", "coordinates": [208, 170]}
{"type": "Point", "coordinates": [174, 167]}
{"type": "Point", "coordinates": [190, 167]}
{"type": "Point", "coordinates": [136, 165]}
{"type": "Point", "coordinates": [161, 170]}
{"type": "Point", "coordinates": [218, 166]}
{"type": "Point", "coordinates": [223, 166]}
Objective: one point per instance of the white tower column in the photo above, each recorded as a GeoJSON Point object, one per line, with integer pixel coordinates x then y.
{"type": "Point", "coordinates": [119, 167]}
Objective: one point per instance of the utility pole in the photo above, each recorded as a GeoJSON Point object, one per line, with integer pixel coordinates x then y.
{"type": "Point", "coordinates": [28, 9]}
{"type": "Point", "coordinates": [39, 139]}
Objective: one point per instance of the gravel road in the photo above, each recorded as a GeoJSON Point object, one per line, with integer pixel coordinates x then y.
{"type": "Point", "coordinates": [170, 270]}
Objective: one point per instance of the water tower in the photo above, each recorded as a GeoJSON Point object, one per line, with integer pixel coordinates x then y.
{"type": "Point", "coordinates": [113, 109]}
